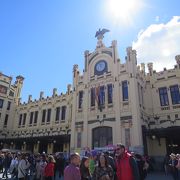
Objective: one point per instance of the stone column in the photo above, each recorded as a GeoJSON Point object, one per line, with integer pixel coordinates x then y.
{"type": "Point", "coordinates": [36, 148]}
{"type": "Point", "coordinates": [50, 148]}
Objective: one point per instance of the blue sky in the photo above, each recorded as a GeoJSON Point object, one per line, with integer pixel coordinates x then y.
{"type": "Point", "coordinates": [41, 40]}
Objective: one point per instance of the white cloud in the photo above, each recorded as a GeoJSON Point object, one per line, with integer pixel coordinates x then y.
{"type": "Point", "coordinates": [157, 18]}
{"type": "Point", "coordinates": [159, 43]}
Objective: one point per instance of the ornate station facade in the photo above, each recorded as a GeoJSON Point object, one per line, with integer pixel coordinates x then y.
{"type": "Point", "coordinates": [109, 102]}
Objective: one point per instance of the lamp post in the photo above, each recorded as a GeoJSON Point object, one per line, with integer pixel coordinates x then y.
{"type": "Point", "coordinates": [1, 145]}
{"type": "Point", "coordinates": [24, 145]}
{"type": "Point", "coordinates": [156, 137]}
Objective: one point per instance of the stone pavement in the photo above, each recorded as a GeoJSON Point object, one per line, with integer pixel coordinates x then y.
{"type": "Point", "coordinates": [151, 176]}
{"type": "Point", "coordinates": [29, 178]}
{"type": "Point", "coordinates": [158, 176]}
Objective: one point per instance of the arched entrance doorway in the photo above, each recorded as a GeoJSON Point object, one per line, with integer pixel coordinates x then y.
{"type": "Point", "coordinates": [101, 136]}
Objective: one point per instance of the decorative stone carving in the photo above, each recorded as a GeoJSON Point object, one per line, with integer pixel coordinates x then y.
{"type": "Point", "coordinates": [54, 92]}
{"type": "Point", "coordinates": [177, 57]}
{"type": "Point", "coordinates": [142, 67]}
{"type": "Point", "coordinates": [29, 98]}
{"type": "Point", "coordinates": [75, 67]}
{"type": "Point", "coordinates": [150, 68]}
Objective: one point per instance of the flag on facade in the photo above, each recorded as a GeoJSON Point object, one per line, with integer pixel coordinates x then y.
{"type": "Point", "coordinates": [98, 98]}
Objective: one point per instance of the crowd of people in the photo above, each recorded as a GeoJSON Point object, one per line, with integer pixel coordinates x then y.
{"type": "Point", "coordinates": [25, 166]}
{"type": "Point", "coordinates": [172, 165]}
{"type": "Point", "coordinates": [121, 165]}
{"type": "Point", "coordinates": [103, 166]}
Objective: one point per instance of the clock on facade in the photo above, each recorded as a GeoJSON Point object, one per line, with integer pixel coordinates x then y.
{"type": "Point", "coordinates": [100, 66]}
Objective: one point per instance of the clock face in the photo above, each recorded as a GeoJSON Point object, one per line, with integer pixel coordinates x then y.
{"type": "Point", "coordinates": [100, 66]}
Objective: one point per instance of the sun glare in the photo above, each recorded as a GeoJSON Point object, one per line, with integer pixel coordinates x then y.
{"type": "Point", "coordinates": [123, 10]}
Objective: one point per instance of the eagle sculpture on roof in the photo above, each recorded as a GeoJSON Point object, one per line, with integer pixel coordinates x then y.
{"type": "Point", "coordinates": [100, 33]}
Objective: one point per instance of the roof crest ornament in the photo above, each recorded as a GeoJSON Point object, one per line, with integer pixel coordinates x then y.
{"type": "Point", "coordinates": [100, 35]}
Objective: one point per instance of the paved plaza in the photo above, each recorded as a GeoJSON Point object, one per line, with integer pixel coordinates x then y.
{"type": "Point", "coordinates": [151, 176]}
{"type": "Point", "coordinates": [158, 176]}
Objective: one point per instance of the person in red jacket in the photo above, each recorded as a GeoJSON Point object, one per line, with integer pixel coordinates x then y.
{"type": "Point", "coordinates": [49, 169]}
{"type": "Point", "coordinates": [126, 166]}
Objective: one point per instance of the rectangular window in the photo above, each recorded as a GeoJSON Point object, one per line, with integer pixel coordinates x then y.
{"type": "Point", "coordinates": [3, 89]}
{"type": "Point", "coordinates": [163, 95]}
{"type": "Point", "coordinates": [6, 120]}
{"type": "Point", "coordinates": [125, 90]}
{"type": "Point", "coordinates": [8, 105]}
{"type": "Point", "coordinates": [35, 117]}
{"type": "Point", "coordinates": [93, 97]}
{"type": "Point", "coordinates": [78, 139]}
{"type": "Point", "coordinates": [175, 95]}
{"type": "Point", "coordinates": [1, 103]}
{"type": "Point", "coordinates": [24, 119]}
{"type": "Point", "coordinates": [57, 113]}
{"type": "Point", "coordinates": [31, 117]}
{"type": "Point", "coordinates": [110, 93]}
{"type": "Point", "coordinates": [102, 96]}
{"type": "Point", "coordinates": [43, 115]}
{"type": "Point", "coordinates": [176, 116]}
{"type": "Point", "coordinates": [48, 115]}
{"type": "Point", "coordinates": [80, 99]}
{"type": "Point", "coordinates": [20, 119]}
{"type": "Point", "coordinates": [63, 114]}
{"type": "Point", "coordinates": [140, 94]}
{"type": "Point", "coordinates": [11, 93]}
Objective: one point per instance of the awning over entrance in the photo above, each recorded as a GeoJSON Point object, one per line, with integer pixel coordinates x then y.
{"type": "Point", "coordinates": [170, 132]}
{"type": "Point", "coordinates": [171, 135]}
{"type": "Point", "coordinates": [59, 138]}
{"type": "Point", "coordinates": [38, 144]}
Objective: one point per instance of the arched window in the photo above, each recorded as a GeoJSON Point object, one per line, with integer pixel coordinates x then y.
{"type": "Point", "coordinates": [101, 136]}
